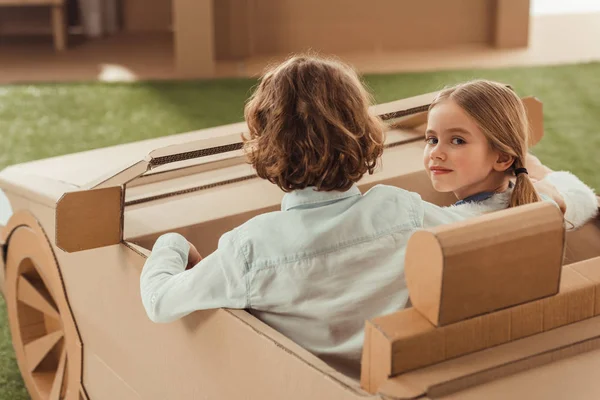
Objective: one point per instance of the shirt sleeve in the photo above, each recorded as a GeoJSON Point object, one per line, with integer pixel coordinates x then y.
{"type": "Point", "coordinates": [170, 292]}
{"type": "Point", "coordinates": [580, 199]}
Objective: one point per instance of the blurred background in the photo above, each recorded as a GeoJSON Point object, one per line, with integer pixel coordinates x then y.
{"type": "Point", "coordinates": [82, 74]}
{"type": "Point", "coordinates": [66, 40]}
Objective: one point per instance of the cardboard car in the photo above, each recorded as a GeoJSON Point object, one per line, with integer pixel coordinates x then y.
{"type": "Point", "coordinates": [79, 234]}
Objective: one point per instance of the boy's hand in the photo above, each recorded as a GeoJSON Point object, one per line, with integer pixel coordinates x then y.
{"type": "Point", "coordinates": [535, 169]}
{"type": "Point", "coordinates": [194, 257]}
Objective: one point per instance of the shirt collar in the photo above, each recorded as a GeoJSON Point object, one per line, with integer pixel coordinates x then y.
{"type": "Point", "coordinates": [476, 198]}
{"type": "Point", "coordinates": [311, 197]}
{"type": "Point", "coordinates": [479, 197]}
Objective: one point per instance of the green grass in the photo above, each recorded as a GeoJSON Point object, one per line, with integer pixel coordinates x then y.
{"type": "Point", "coordinates": [38, 121]}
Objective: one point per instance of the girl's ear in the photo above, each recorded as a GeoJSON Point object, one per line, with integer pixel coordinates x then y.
{"type": "Point", "coordinates": [503, 162]}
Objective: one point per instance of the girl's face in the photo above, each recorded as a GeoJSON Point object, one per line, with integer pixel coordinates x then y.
{"type": "Point", "coordinates": [458, 157]}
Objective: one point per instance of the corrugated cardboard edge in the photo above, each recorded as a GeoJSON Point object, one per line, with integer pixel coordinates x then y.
{"type": "Point", "coordinates": [504, 360]}
{"type": "Point", "coordinates": [430, 264]}
{"type": "Point", "coordinates": [373, 371]}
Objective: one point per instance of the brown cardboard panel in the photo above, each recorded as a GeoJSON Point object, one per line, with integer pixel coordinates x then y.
{"type": "Point", "coordinates": [425, 273]}
{"type": "Point", "coordinates": [511, 25]}
{"type": "Point", "coordinates": [89, 219]}
{"type": "Point", "coordinates": [401, 341]}
{"type": "Point", "coordinates": [33, 187]}
{"type": "Point", "coordinates": [590, 269]}
{"type": "Point", "coordinates": [188, 169]}
{"type": "Point", "coordinates": [147, 16]}
{"type": "Point", "coordinates": [581, 304]}
{"type": "Point", "coordinates": [201, 144]}
{"type": "Point", "coordinates": [535, 114]}
{"type": "Point", "coordinates": [194, 37]}
{"type": "Point", "coordinates": [411, 121]}
{"type": "Point", "coordinates": [570, 378]}
{"type": "Point", "coordinates": [240, 356]}
{"type": "Point", "coordinates": [526, 320]}
{"type": "Point", "coordinates": [234, 29]}
{"type": "Point", "coordinates": [477, 333]}
{"type": "Point", "coordinates": [413, 338]}
{"type": "Point", "coordinates": [122, 177]}
{"type": "Point", "coordinates": [103, 382]}
{"type": "Point", "coordinates": [494, 363]}
{"type": "Point", "coordinates": [283, 26]}
{"type": "Point", "coordinates": [422, 100]}
{"type": "Point", "coordinates": [574, 302]}
{"type": "Point", "coordinates": [274, 27]}
{"type": "Point", "coordinates": [582, 244]}
{"type": "Point", "coordinates": [520, 366]}
{"type": "Point", "coordinates": [376, 350]}
{"type": "Point", "coordinates": [489, 263]}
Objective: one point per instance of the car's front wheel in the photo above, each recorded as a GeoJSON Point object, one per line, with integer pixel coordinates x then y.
{"type": "Point", "coordinates": [44, 335]}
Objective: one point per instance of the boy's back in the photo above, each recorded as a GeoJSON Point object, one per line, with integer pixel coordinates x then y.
{"type": "Point", "coordinates": [326, 263]}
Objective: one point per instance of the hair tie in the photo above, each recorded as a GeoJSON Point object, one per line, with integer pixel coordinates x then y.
{"type": "Point", "coordinates": [521, 171]}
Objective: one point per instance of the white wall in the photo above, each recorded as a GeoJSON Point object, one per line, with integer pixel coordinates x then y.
{"type": "Point", "coordinates": [542, 7]}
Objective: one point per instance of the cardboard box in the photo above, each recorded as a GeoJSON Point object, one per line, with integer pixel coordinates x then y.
{"type": "Point", "coordinates": [103, 346]}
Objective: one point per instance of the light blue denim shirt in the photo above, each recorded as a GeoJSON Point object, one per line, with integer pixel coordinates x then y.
{"type": "Point", "coordinates": [315, 271]}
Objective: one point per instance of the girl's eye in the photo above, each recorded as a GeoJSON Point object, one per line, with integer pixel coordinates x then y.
{"type": "Point", "coordinates": [431, 140]}
{"type": "Point", "coordinates": [458, 141]}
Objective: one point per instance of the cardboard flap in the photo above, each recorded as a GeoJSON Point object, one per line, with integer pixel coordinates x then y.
{"type": "Point", "coordinates": [458, 271]}
{"type": "Point", "coordinates": [89, 219]}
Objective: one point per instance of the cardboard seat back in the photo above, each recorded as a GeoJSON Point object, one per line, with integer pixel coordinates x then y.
{"type": "Point", "coordinates": [487, 263]}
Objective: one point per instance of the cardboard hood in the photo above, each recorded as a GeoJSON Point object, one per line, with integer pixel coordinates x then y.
{"type": "Point", "coordinates": [104, 347]}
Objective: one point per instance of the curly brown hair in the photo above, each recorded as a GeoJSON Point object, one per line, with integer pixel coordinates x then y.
{"type": "Point", "coordinates": [309, 125]}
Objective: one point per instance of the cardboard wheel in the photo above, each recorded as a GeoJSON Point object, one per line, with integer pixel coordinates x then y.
{"type": "Point", "coordinates": [44, 335]}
